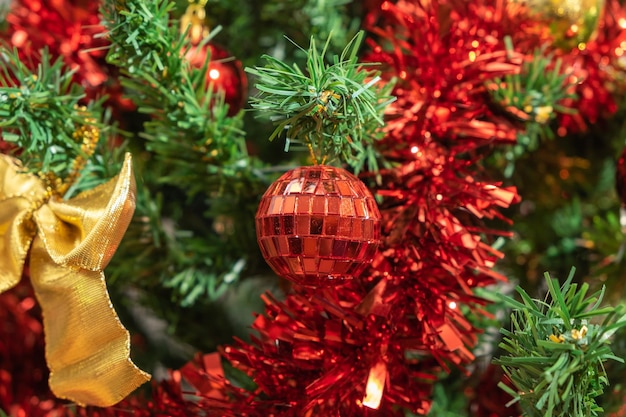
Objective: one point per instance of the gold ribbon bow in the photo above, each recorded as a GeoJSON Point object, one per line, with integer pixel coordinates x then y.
{"type": "Point", "coordinates": [70, 243]}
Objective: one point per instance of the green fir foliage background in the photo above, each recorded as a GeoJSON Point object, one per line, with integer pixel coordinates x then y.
{"type": "Point", "coordinates": [189, 273]}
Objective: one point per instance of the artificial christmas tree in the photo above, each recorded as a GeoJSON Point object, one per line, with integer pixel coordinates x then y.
{"type": "Point", "coordinates": [488, 139]}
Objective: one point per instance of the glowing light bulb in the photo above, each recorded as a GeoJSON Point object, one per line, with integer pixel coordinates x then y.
{"type": "Point", "coordinates": [214, 74]}
{"type": "Point", "coordinates": [375, 385]}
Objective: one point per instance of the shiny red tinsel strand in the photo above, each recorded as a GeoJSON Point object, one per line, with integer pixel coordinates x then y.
{"type": "Point", "coordinates": [597, 71]}
{"type": "Point", "coordinates": [320, 349]}
{"type": "Point", "coordinates": [23, 372]}
{"type": "Point", "coordinates": [69, 29]}
{"type": "Point", "coordinates": [436, 207]}
{"type": "Point", "coordinates": [315, 352]}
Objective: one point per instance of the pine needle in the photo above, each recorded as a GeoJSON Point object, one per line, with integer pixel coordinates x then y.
{"type": "Point", "coordinates": [556, 350]}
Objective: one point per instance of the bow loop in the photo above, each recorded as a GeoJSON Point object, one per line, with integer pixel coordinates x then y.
{"type": "Point", "coordinates": [86, 230]}
{"type": "Point", "coordinates": [19, 195]}
{"type": "Point", "coordinates": [14, 181]}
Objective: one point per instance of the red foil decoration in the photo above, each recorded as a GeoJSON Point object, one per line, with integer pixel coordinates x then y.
{"type": "Point", "coordinates": [317, 225]}
{"type": "Point", "coordinates": [23, 370]}
{"type": "Point", "coordinates": [319, 355]}
{"type": "Point", "coordinates": [373, 346]}
{"type": "Point", "coordinates": [69, 29]}
{"type": "Point", "coordinates": [435, 206]}
{"type": "Point", "coordinates": [597, 71]}
{"type": "Point", "coordinates": [224, 73]}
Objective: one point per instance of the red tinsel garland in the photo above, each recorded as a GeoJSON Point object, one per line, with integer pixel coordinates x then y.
{"type": "Point", "coordinates": [597, 70]}
{"type": "Point", "coordinates": [316, 354]}
{"type": "Point", "coordinates": [23, 371]}
{"type": "Point", "coordinates": [434, 204]}
{"type": "Point", "coordinates": [68, 29]}
{"type": "Point", "coordinates": [371, 348]}
{"type": "Point", "coordinates": [319, 351]}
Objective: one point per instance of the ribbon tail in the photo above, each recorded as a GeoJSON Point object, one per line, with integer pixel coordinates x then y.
{"type": "Point", "coordinates": [87, 347]}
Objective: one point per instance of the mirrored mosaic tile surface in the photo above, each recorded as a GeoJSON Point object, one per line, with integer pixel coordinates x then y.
{"type": "Point", "coordinates": [318, 224]}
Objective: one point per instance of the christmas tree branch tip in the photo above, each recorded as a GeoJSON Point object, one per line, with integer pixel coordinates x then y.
{"type": "Point", "coordinates": [42, 116]}
{"type": "Point", "coordinates": [555, 352]}
{"type": "Point", "coordinates": [332, 107]}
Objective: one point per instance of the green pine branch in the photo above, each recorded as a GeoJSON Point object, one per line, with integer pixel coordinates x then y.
{"type": "Point", "coordinates": [534, 98]}
{"type": "Point", "coordinates": [555, 352]}
{"type": "Point", "coordinates": [41, 113]}
{"type": "Point", "coordinates": [200, 162]}
{"type": "Point", "coordinates": [177, 245]}
{"type": "Point", "coordinates": [188, 126]}
{"type": "Point", "coordinates": [333, 109]}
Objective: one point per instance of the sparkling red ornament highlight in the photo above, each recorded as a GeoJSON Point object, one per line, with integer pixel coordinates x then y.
{"type": "Point", "coordinates": [224, 73]}
{"type": "Point", "coordinates": [597, 70]}
{"type": "Point", "coordinates": [317, 225]}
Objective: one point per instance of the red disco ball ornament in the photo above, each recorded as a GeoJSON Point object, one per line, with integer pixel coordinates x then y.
{"type": "Point", "coordinates": [318, 225]}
